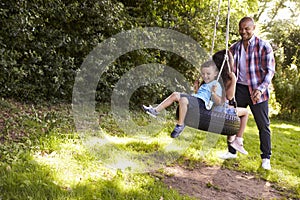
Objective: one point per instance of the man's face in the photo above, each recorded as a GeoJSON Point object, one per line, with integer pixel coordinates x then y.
{"type": "Point", "coordinates": [246, 30]}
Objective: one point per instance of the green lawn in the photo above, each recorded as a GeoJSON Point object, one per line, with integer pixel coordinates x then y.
{"type": "Point", "coordinates": [42, 156]}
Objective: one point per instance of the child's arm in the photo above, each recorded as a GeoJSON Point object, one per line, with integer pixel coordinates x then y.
{"type": "Point", "coordinates": [230, 87]}
{"type": "Point", "coordinates": [196, 85]}
{"type": "Point", "coordinates": [214, 97]}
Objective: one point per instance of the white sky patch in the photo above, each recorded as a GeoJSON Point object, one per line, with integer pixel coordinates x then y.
{"type": "Point", "coordinates": [283, 14]}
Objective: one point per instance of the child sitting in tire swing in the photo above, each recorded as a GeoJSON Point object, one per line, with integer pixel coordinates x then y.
{"type": "Point", "coordinates": [229, 80]}
{"type": "Point", "coordinates": [209, 90]}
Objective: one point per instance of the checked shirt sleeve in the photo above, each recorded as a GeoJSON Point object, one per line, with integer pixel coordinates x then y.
{"type": "Point", "coordinates": [267, 66]}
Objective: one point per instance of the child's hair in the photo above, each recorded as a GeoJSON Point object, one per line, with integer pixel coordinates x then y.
{"type": "Point", "coordinates": [209, 63]}
{"type": "Point", "coordinates": [218, 58]}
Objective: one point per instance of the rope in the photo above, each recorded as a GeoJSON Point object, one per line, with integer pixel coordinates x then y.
{"type": "Point", "coordinates": [227, 40]}
{"type": "Point", "coordinates": [227, 28]}
{"type": "Point", "coordinates": [215, 29]}
{"type": "Point", "coordinates": [226, 52]}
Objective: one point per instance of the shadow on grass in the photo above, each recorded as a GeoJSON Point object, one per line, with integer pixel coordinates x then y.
{"type": "Point", "coordinates": [27, 179]}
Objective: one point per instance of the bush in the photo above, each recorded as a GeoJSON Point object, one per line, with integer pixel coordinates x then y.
{"type": "Point", "coordinates": [287, 78]}
{"type": "Point", "coordinates": [43, 43]}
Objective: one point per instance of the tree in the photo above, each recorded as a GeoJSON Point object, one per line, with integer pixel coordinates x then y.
{"type": "Point", "coordinates": [284, 35]}
{"type": "Point", "coordinates": [43, 43]}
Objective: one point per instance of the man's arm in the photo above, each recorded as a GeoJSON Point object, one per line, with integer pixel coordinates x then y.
{"type": "Point", "coordinates": [268, 65]}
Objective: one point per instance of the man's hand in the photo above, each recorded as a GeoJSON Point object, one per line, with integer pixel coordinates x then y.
{"type": "Point", "coordinates": [256, 95]}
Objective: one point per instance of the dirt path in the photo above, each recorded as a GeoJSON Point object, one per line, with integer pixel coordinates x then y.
{"type": "Point", "coordinates": [207, 183]}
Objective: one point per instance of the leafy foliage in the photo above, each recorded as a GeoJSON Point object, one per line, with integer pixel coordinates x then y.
{"type": "Point", "coordinates": [283, 32]}
{"type": "Point", "coordinates": [287, 79]}
{"type": "Point", "coordinates": [44, 42]}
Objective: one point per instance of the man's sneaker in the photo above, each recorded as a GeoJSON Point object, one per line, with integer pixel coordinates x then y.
{"type": "Point", "coordinates": [266, 164]}
{"type": "Point", "coordinates": [238, 146]}
{"type": "Point", "coordinates": [228, 155]}
{"type": "Point", "coordinates": [177, 130]}
{"type": "Point", "coordinates": [150, 111]}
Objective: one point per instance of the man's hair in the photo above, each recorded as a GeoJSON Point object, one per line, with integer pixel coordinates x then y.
{"type": "Point", "coordinates": [244, 19]}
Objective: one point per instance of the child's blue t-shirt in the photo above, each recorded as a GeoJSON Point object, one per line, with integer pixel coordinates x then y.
{"type": "Point", "coordinates": [204, 92]}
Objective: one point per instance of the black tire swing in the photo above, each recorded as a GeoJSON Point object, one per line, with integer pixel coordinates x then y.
{"type": "Point", "coordinates": [210, 120]}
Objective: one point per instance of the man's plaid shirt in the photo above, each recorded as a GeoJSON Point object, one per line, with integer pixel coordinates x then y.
{"type": "Point", "coordinates": [260, 64]}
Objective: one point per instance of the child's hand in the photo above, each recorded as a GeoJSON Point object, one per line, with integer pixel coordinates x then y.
{"type": "Point", "coordinates": [196, 86]}
{"type": "Point", "coordinates": [214, 88]}
{"type": "Point", "coordinates": [214, 97]}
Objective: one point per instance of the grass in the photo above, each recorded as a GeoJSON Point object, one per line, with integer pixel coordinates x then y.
{"type": "Point", "coordinates": [43, 157]}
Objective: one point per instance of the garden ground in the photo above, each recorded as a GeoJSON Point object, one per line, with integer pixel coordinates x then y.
{"type": "Point", "coordinates": [214, 182]}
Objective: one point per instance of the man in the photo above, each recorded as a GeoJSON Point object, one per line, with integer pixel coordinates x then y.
{"type": "Point", "coordinates": [254, 65]}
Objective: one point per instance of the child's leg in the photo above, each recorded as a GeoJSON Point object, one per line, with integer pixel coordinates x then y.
{"type": "Point", "coordinates": [237, 144]}
{"type": "Point", "coordinates": [183, 105]}
{"type": "Point", "coordinates": [243, 114]}
{"type": "Point", "coordinates": [174, 97]}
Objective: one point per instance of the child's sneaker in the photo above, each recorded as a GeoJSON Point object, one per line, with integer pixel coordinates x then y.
{"type": "Point", "coordinates": [238, 145]}
{"type": "Point", "coordinates": [150, 111]}
{"type": "Point", "coordinates": [228, 155]}
{"type": "Point", "coordinates": [177, 130]}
